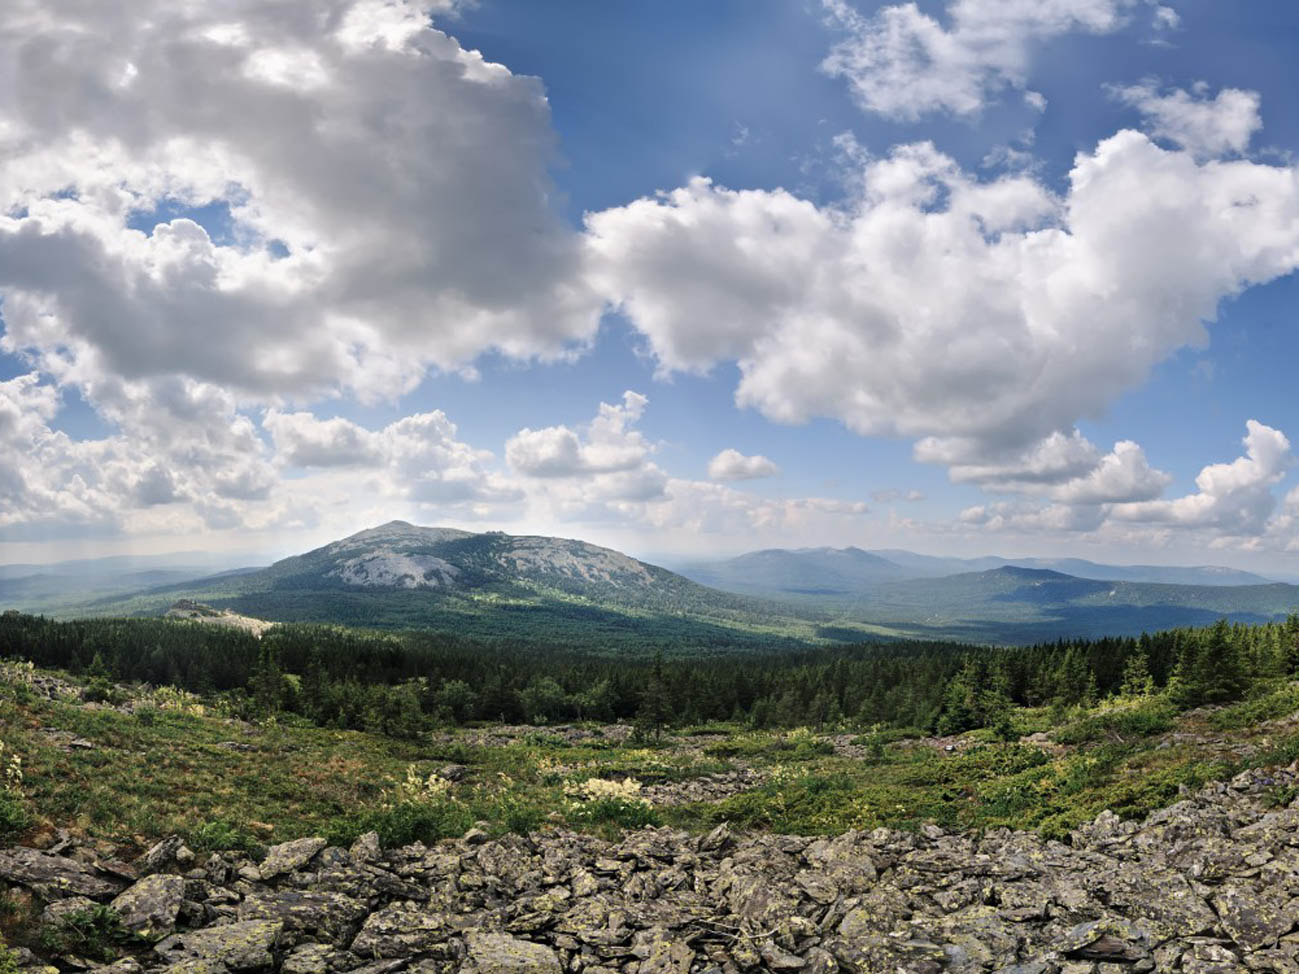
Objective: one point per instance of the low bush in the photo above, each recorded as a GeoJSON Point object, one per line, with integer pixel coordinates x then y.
{"type": "Point", "coordinates": [405, 822]}
{"type": "Point", "coordinates": [1119, 723]}
{"type": "Point", "coordinates": [95, 933]}
{"type": "Point", "coordinates": [1269, 706]}
{"type": "Point", "coordinates": [219, 835]}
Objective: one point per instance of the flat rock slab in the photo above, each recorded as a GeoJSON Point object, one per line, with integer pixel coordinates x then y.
{"type": "Point", "coordinates": [54, 877]}
{"type": "Point", "coordinates": [332, 916]}
{"type": "Point", "coordinates": [238, 946]}
{"type": "Point", "coordinates": [400, 930]}
{"type": "Point", "coordinates": [499, 953]}
{"type": "Point", "coordinates": [288, 856]}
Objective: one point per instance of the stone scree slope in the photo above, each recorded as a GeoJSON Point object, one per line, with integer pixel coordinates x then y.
{"type": "Point", "coordinates": [1210, 884]}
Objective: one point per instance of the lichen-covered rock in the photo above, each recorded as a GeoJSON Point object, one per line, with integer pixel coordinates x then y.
{"type": "Point", "coordinates": [170, 852]}
{"type": "Point", "coordinates": [149, 908]}
{"type": "Point", "coordinates": [1254, 918]}
{"type": "Point", "coordinates": [498, 953]}
{"type": "Point", "coordinates": [318, 913]}
{"type": "Point", "coordinates": [54, 877]}
{"type": "Point", "coordinates": [288, 856]}
{"type": "Point", "coordinates": [243, 946]}
{"type": "Point", "coordinates": [400, 930]}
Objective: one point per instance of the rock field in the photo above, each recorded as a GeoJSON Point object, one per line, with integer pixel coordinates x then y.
{"type": "Point", "coordinates": [1210, 884]}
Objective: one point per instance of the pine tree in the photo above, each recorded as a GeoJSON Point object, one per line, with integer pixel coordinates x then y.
{"type": "Point", "coordinates": [1137, 681]}
{"type": "Point", "coordinates": [655, 708]}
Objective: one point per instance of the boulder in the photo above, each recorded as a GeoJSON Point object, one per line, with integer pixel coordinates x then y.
{"type": "Point", "coordinates": [243, 946]}
{"type": "Point", "coordinates": [149, 908]}
{"type": "Point", "coordinates": [54, 877]}
{"type": "Point", "coordinates": [288, 856]}
{"type": "Point", "coordinates": [499, 953]}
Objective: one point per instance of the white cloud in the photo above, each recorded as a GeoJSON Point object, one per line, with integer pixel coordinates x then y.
{"type": "Point", "coordinates": [610, 444]}
{"type": "Point", "coordinates": [694, 507]}
{"type": "Point", "coordinates": [1207, 127]}
{"type": "Point", "coordinates": [892, 495]}
{"type": "Point", "coordinates": [1068, 468]}
{"type": "Point", "coordinates": [419, 457]}
{"type": "Point", "coordinates": [401, 179]}
{"type": "Point", "coordinates": [602, 474]}
{"type": "Point", "coordinates": [1166, 18]}
{"type": "Point", "coordinates": [734, 465]}
{"type": "Point", "coordinates": [903, 63]}
{"type": "Point", "coordinates": [931, 304]}
{"type": "Point", "coordinates": [1121, 476]}
{"type": "Point", "coordinates": [1234, 506]}
{"type": "Point", "coordinates": [1232, 498]}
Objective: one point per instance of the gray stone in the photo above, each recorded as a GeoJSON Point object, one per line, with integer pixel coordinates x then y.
{"type": "Point", "coordinates": [149, 908]}
{"type": "Point", "coordinates": [54, 877]}
{"type": "Point", "coordinates": [498, 953]}
{"type": "Point", "coordinates": [400, 930]}
{"type": "Point", "coordinates": [243, 946]}
{"type": "Point", "coordinates": [288, 856]}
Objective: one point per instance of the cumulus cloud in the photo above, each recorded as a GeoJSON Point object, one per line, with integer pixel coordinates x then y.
{"type": "Point", "coordinates": [903, 63]}
{"type": "Point", "coordinates": [376, 197]}
{"type": "Point", "coordinates": [190, 446]}
{"type": "Point", "coordinates": [610, 446]}
{"type": "Point", "coordinates": [1235, 504]}
{"type": "Point", "coordinates": [419, 457]}
{"type": "Point", "coordinates": [602, 473]}
{"type": "Point", "coordinates": [1232, 498]}
{"type": "Point", "coordinates": [733, 465]}
{"type": "Point", "coordinates": [1066, 467]}
{"type": "Point", "coordinates": [697, 507]}
{"type": "Point", "coordinates": [994, 314]}
{"type": "Point", "coordinates": [1122, 476]}
{"type": "Point", "coordinates": [1205, 126]}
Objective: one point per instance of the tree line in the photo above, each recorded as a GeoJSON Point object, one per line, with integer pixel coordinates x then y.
{"type": "Point", "coordinates": [403, 683]}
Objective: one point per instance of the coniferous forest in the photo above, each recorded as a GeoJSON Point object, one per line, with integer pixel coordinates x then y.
{"type": "Point", "coordinates": [401, 684]}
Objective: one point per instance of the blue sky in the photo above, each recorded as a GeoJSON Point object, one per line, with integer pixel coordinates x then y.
{"type": "Point", "coordinates": [346, 281]}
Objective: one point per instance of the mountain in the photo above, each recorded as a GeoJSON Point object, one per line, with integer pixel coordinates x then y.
{"type": "Point", "coordinates": [532, 588]}
{"type": "Point", "coordinates": [542, 591]}
{"type": "Point", "coordinates": [1011, 604]}
{"type": "Point", "coordinates": [59, 585]}
{"type": "Point", "coordinates": [804, 571]}
{"type": "Point", "coordinates": [847, 573]}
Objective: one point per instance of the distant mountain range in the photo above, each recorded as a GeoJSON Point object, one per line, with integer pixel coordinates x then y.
{"type": "Point", "coordinates": [839, 573]}
{"type": "Point", "coordinates": [489, 585]}
{"type": "Point", "coordinates": [555, 591]}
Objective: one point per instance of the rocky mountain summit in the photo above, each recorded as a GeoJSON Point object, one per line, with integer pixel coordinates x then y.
{"type": "Point", "coordinates": [1210, 884]}
{"type": "Point", "coordinates": [402, 555]}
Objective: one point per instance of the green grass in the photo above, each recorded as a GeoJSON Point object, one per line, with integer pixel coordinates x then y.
{"type": "Point", "coordinates": [164, 772]}
{"type": "Point", "coordinates": [1269, 705]}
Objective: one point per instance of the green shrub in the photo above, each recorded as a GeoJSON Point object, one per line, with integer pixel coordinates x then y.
{"type": "Point", "coordinates": [1154, 716]}
{"type": "Point", "coordinates": [405, 822]}
{"type": "Point", "coordinates": [616, 812]}
{"type": "Point", "coordinates": [1279, 703]}
{"type": "Point", "coordinates": [99, 690]}
{"type": "Point", "coordinates": [8, 959]}
{"type": "Point", "coordinates": [516, 814]}
{"type": "Point", "coordinates": [96, 933]}
{"type": "Point", "coordinates": [220, 835]}
{"type": "Point", "coordinates": [14, 817]}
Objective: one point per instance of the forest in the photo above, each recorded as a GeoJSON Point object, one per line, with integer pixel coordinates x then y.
{"type": "Point", "coordinates": [401, 684]}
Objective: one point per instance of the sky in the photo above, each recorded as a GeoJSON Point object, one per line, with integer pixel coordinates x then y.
{"type": "Point", "coordinates": [686, 279]}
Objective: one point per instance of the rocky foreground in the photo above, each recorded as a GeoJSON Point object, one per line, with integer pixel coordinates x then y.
{"type": "Point", "coordinates": [1210, 884]}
